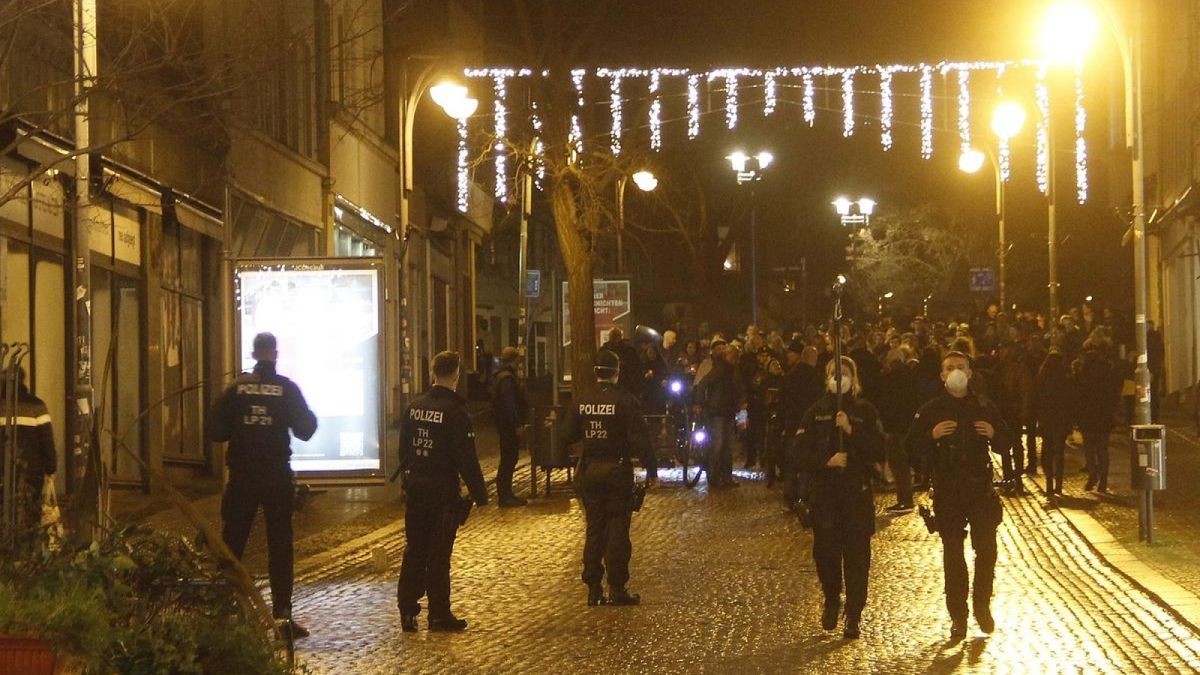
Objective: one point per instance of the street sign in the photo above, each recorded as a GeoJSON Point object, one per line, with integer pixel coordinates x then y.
{"type": "Point", "coordinates": [983, 279]}
{"type": "Point", "coordinates": [533, 284]}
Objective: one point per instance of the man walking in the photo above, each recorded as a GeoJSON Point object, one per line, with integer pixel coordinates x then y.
{"type": "Point", "coordinates": [509, 410]}
{"type": "Point", "coordinates": [255, 415]}
{"type": "Point", "coordinates": [437, 446]}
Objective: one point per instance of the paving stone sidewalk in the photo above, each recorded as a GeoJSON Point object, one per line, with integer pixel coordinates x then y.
{"type": "Point", "coordinates": [728, 585]}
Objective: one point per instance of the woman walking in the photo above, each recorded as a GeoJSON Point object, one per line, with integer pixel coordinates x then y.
{"type": "Point", "coordinates": [1054, 418]}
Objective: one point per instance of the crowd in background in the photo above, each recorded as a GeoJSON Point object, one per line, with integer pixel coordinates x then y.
{"type": "Point", "coordinates": [1049, 378]}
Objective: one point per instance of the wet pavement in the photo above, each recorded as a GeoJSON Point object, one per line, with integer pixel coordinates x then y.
{"type": "Point", "coordinates": [728, 585]}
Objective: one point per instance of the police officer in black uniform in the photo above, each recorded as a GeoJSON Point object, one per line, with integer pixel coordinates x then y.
{"type": "Point", "coordinates": [437, 446]}
{"type": "Point", "coordinates": [609, 423]}
{"type": "Point", "coordinates": [254, 414]}
{"type": "Point", "coordinates": [953, 433]}
{"type": "Point", "coordinates": [840, 497]}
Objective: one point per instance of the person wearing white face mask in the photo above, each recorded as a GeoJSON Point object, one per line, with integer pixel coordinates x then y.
{"type": "Point", "coordinates": [954, 433]}
{"type": "Point", "coordinates": [838, 451]}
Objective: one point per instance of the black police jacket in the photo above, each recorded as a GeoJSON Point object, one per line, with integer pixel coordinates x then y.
{"type": "Point", "coordinates": [255, 414]}
{"type": "Point", "coordinates": [609, 423]}
{"type": "Point", "coordinates": [960, 459]}
{"type": "Point", "coordinates": [817, 442]}
{"type": "Point", "coordinates": [437, 446]}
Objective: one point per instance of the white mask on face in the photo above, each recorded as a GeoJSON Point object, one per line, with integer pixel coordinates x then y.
{"type": "Point", "coordinates": [832, 384]}
{"type": "Point", "coordinates": [956, 382]}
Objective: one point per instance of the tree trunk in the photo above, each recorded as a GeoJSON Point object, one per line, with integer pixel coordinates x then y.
{"type": "Point", "coordinates": [577, 258]}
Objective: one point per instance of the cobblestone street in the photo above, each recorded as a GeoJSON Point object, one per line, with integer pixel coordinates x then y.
{"type": "Point", "coordinates": [728, 585]}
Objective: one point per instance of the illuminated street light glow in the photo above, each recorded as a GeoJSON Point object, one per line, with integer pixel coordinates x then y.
{"type": "Point", "coordinates": [764, 159]}
{"type": "Point", "coordinates": [1067, 31]}
{"type": "Point", "coordinates": [444, 93]}
{"type": "Point", "coordinates": [866, 206]}
{"type": "Point", "coordinates": [1007, 119]}
{"type": "Point", "coordinates": [889, 295]}
{"type": "Point", "coordinates": [645, 181]}
{"type": "Point", "coordinates": [738, 160]}
{"type": "Point", "coordinates": [971, 161]}
{"type": "Point", "coordinates": [842, 205]}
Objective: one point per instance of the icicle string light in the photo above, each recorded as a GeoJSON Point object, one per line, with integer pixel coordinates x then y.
{"type": "Point", "coordinates": [848, 102]}
{"type": "Point", "coordinates": [463, 174]}
{"type": "Point", "coordinates": [693, 106]}
{"type": "Point", "coordinates": [810, 110]}
{"type": "Point", "coordinates": [926, 112]}
{"type": "Point", "coordinates": [655, 112]}
{"type": "Point", "coordinates": [885, 108]}
{"type": "Point", "coordinates": [964, 110]}
{"type": "Point", "coordinates": [769, 94]}
{"type": "Point", "coordinates": [539, 148]}
{"type": "Point", "coordinates": [500, 111]}
{"type": "Point", "coordinates": [1042, 94]}
{"type": "Point", "coordinates": [615, 107]}
{"type": "Point", "coordinates": [1081, 177]}
{"type": "Point", "coordinates": [575, 136]}
{"type": "Point", "coordinates": [1004, 149]}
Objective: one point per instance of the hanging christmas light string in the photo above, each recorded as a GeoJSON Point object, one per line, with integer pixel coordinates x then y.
{"type": "Point", "coordinates": [693, 105]}
{"type": "Point", "coordinates": [769, 93]}
{"type": "Point", "coordinates": [926, 112]}
{"type": "Point", "coordinates": [806, 81]}
{"type": "Point", "coordinates": [539, 147]}
{"type": "Point", "coordinates": [463, 174]}
{"type": "Point", "coordinates": [655, 111]}
{"type": "Point", "coordinates": [1081, 178]}
{"type": "Point", "coordinates": [500, 110]}
{"type": "Point", "coordinates": [576, 134]}
{"type": "Point", "coordinates": [847, 102]}
{"type": "Point", "coordinates": [1042, 94]}
{"type": "Point", "coordinates": [885, 107]}
{"type": "Point", "coordinates": [615, 107]}
{"type": "Point", "coordinates": [964, 110]}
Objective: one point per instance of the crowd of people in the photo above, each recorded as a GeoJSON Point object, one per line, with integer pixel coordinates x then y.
{"type": "Point", "coordinates": [1048, 378]}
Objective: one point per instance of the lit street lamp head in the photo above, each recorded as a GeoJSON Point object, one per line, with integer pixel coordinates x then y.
{"type": "Point", "coordinates": [971, 161]}
{"type": "Point", "coordinates": [842, 205]}
{"type": "Point", "coordinates": [645, 181]}
{"type": "Point", "coordinates": [738, 160]}
{"type": "Point", "coordinates": [866, 206]}
{"type": "Point", "coordinates": [1067, 31]}
{"type": "Point", "coordinates": [1008, 119]}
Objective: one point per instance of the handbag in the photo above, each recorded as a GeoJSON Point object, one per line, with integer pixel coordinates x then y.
{"type": "Point", "coordinates": [51, 519]}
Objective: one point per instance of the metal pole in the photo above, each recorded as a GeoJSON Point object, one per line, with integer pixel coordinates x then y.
{"type": "Point", "coordinates": [753, 256]}
{"type": "Point", "coordinates": [1000, 213]}
{"type": "Point", "coordinates": [523, 261]}
{"type": "Point", "coordinates": [1133, 125]}
{"type": "Point", "coordinates": [81, 272]}
{"type": "Point", "coordinates": [1052, 225]}
{"type": "Point", "coordinates": [621, 223]}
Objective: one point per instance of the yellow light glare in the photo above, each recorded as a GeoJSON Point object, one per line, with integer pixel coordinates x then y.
{"type": "Point", "coordinates": [461, 108]}
{"type": "Point", "coordinates": [1007, 119]}
{"type": "Point", "coordinates": [445, 92]}
{"type": "Point", "coordinates": [971, 161]}
{"type": "Point", "coordinates": [1068, 30]}
{"type": "Point", "coordinates": [842, 205]}
{"type": "Point", "coordinates": [645, 181]}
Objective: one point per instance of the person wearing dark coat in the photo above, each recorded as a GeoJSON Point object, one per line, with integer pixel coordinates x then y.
{"type": "Point", "coordinates": [720, 397]}
{"type": "Point", "coordinates": [1055, 406]}
{"type": "Point", "coordinates": [509, 410]}
{"type": "Point", "coordinates": [632, 374]}
{"type": "Point", "coordinates": [898, 403]}
{"type": "Point", "coordinates": [1098, 397]}
{"type": "Point", "coordinates": [838, 450]}
{"type": "Point", "coordinates": [36, 457]}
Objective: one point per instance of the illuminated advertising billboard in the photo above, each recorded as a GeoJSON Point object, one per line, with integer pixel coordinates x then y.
{"type": "Point", "coordinates": [612, 307]}
{"type": "Point", "coordinates": [325, 314]}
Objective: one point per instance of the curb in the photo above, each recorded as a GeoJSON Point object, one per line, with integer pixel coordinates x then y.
{"type": "Point", "coordinates": [1178, 601]}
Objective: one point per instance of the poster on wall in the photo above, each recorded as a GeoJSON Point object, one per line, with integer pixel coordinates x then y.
{"type": "Point", "coordinates": [612, 307]}
{"type": "Point", "coordinates": [326, 316]}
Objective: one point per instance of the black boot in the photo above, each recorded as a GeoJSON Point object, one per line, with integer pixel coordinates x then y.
{"type": "Point", "coordinates": [620, 596]}
{"type": "Point", "coordinates": [450, 624]}
{"type": "Point", "coordinates": [408, 623]}
{"type": "Point", "coordinates": [852, 629]}
{"type": "Point", "coordinates": [958, 628]}
{"type": "Point", "coordinates": [985, 620]}
{"type": "Point", "coordinates": [829, 616]}
{"type": "Point", "coordinates": [596, 595]}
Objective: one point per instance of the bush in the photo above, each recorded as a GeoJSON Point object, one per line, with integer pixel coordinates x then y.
{"type": "Point", "coordinates": [136, 601]}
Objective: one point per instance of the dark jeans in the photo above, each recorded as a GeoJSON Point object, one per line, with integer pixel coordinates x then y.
{"type": "Point", "coordinates": [1054, 443]}
{"type": "Point", "coordinates": [273, 490]}
{"type": "Point", "coordinates": [510, 450]}
{"type": "Point", "coordinates": [957, 509]}
{"type": "Point", "coordinates": [1095, 452]}
{"type": "Point", "coordinates": [605, 487]}
{"type": "Point", "coordinates": [430, 526]}
{"type": "Point", "coordinates": [897, 458]}
{"type": "Point", "coordinates": [720, 449]}
{"type": "Point", "coordinates": [1011, 459]}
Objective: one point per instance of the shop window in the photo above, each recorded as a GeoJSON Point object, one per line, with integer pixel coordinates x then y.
{"type": "Point", "coordinates": [182, 306]}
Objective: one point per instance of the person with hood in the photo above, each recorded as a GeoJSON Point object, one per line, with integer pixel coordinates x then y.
{"type": "Point", "coordinates": [509, 411]}
{"type": "Point", "coordinates": [838, 444]}
{"type": "Point", "coordinates": [1055, 406]}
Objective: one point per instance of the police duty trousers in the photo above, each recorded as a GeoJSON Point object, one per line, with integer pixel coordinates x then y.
{"type": "Point", "coordinates": [430, 526]}
{"type": "Point", "coordinates": [842, 527]}
{"type": "Point", "coordinates": [956, 511]}
{"type": "Point", "coordinates": [274, 491]}
{"type": "Point", "coordinates": [606, 487]}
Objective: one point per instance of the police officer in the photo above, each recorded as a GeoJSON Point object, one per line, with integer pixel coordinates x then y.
{"type": "Point", "coordinates": [953, 432]}
{"type": "Point", "coordinates": [254, 415]}
{"type": "Point", "coordinates": [609, 423]}
{"type": "Point", "coordinates": [840, 498]}
{"type": "Point", "coordinates": [437, 446]}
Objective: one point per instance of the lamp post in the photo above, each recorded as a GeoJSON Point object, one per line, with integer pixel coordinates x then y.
{"type": "Point", "coordinates": [845, 207]}
{"type": "Point", "coordinates": [1006, 123]}
{"type": "Point", "coordinates": [646, 182]}
{"type": "Point", "coordinates": [454, 99]}
{"type": "Point", "coordinates": [1067, 33]}
{"type": "Point", "coordinates": [749, 169]}
{"type": "Point", "coordinates": [886, 296]}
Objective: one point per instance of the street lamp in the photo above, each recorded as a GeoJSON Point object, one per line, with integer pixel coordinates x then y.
{"type": "Point", "coordinates": [646, 182]}
{"type": "Point", "coordinates": [845, 207]}
{"type": "Point", "coordinates": [1007, 120]}
{"type": "Point", "coordinates": [455, 100]}
{"type": "Point", "coordinates": [749, 169]}
{"type": "Point", "coordinates": [1067, 32]}
{"type": "Point", "coordinates": [886, 296]}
